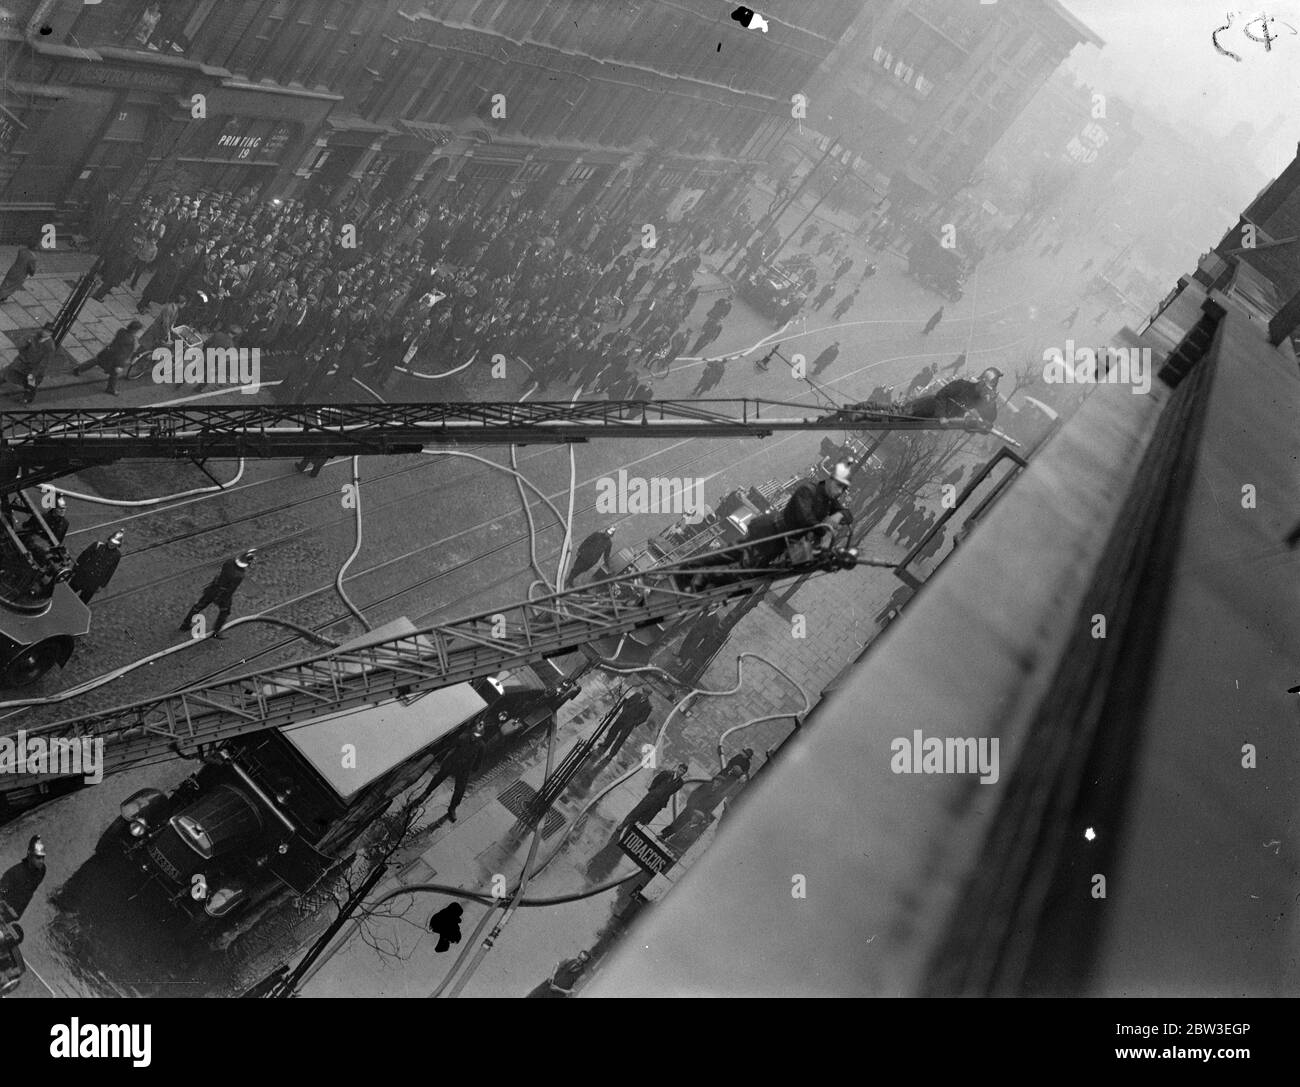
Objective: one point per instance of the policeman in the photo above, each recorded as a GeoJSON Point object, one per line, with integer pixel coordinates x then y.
{"type": "Point", "coordinates": [221, 591]}
{"type": "Point", "coordinates": [95, 566]}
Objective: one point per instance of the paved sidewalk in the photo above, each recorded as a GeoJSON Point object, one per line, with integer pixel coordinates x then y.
{"type": "Point", "coordinates": [393, 955]}
{"type": "Point", "coordinates": [39, 301]}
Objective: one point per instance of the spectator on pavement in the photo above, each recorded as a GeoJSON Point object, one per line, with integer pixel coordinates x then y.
{"type": "Point", "coordinates": [24, 265]}
{"type": "Point", "coordinates": [114, 358]}
{"type": "Point", "coordinates": [561, 984]}
{"type": "Point", "coordinates": [662, 787]}
{"type": "Point", "coordinates": [28, 369]}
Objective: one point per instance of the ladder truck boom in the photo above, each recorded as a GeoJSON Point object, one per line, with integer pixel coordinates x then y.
{"type": "Point", "coordinates": [436, 656]}
{"type": "Point", "coordinates": [39, 445]}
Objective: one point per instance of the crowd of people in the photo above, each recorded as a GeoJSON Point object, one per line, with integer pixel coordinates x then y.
{"type": "Point", "coordinates": [358, 291]}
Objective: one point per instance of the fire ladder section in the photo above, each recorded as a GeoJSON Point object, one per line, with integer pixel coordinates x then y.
{"type": "Point", "coordinates": [42, 445]}
{"type": "Point", "coordinates": [181, 723]}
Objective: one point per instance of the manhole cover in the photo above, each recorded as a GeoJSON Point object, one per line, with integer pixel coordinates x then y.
{"type": "Point", "coordinates": [516, 798]}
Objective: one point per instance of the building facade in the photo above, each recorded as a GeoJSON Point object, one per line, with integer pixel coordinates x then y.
{"type": "Point", "coordinates": [922, 90]}
{"type": "Point", "coordinates": [487, 99]}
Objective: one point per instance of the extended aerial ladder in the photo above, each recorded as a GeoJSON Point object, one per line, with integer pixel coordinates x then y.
{"type": "Point", "coordinates": [183, 722]}
{"type": "Point", "coordinates": [37, 446]}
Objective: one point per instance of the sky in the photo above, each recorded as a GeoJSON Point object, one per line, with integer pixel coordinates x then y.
{"type": "Point", "coordinates": [1160, 53]}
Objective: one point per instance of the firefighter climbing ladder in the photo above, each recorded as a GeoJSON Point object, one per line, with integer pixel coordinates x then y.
{"type": "Point", "coordinates": [436, 656]}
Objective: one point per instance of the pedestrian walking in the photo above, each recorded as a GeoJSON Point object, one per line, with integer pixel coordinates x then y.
{"type": "Point", "coordinates": [710, 332]}
{"type": "Point", "coordinates": [28, 368]}
{"type": "Point", "coordinates": [719, 310]}
{"type": "Point", "coordinates": [114, 271]}
{"type": "Point", "coordinates": [933, 322]}
{"type": "Point", "coordinates": [923, 377]}
{"type": "Point", "coordinates": [710, 377]}
{"type": "Point", "coordinates": [845, 304]}
{"type": "Point", "coordinates": [460, 763]}
{"type": "Point", "coordinates": [24, 265]}
{"type": "Point", "coordinates": [662, 788]}
{"type": "Point", "coordinates": [593, 551]}
{"type": "Point", "coordinates": [956, 363]}
{"type": "Point", "coordinates": [221, 591]}
{"type": "Point", "coordinates": [562, 982]}
{"type": "Point", "coordinates": [823, 296]}
{"type": "Point", "coordinates": [19, 882]}
{"type": "Point", "coordinates": [741, 762]}
{"type": "Point", "coordinates": [634, 711]}
{"type": "Point", "coordinates": [826, 358]}
{"type": "Point", "coordinates": [95, 566]}
{"type": "Point", "coordinates": [116, 355]}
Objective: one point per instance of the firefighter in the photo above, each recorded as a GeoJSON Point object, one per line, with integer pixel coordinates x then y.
{"type": "Point", "coordinates": [462, 761]}
{"type": "Point", "coordinates": [56, 519]}
{"type": "Point", "coordinates": [593, 551]}
{"type": "Point", "coordinates": [95, 566]}
{"type": "Point", "coordinates": [221, 591]}
{"type": "Point", "coordinates": [811, 505]}
{"type": "Point", "coordinates": [18, 884]}
{"type": "Point", "coordinates": [961, 398]}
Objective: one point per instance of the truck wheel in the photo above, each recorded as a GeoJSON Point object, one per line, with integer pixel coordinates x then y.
{"type": "Point", "coordinates": [30, 663]}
